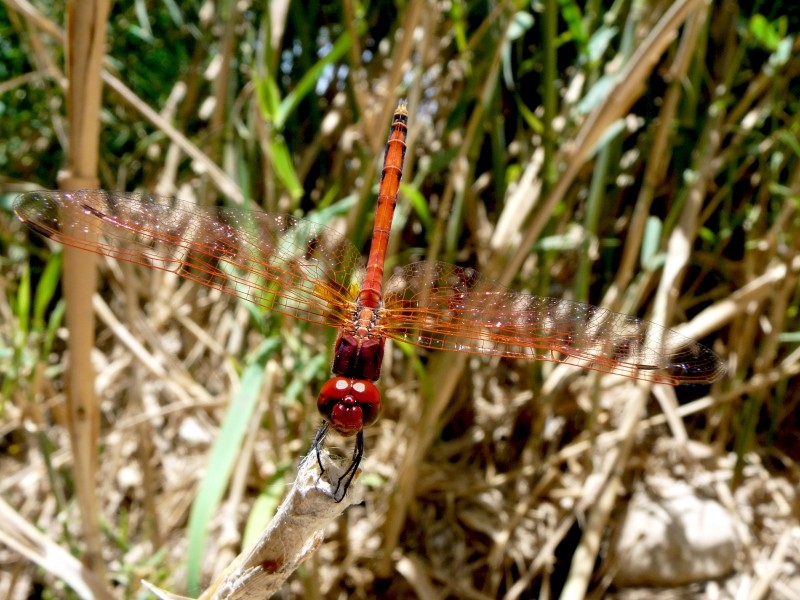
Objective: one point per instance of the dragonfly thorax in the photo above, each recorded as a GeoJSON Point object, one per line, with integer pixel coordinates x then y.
{"type": "Point", "coordinates": [349, 405]}
{"type": "Point", "coordinates": [358, 356]}
{"type": "Point", "coordinates": [359, 348]}
{"type": "Point", "coordinates": [364, 320]}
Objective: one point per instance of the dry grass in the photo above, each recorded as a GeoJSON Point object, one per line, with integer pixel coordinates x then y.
{"type": "Point", "coordinates": [483, 478]}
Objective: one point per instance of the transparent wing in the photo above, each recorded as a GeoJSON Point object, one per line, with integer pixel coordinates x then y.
{"type": "Point", "coordinates": [437, 305]}
{"type": "Point", "coordinates": [278, 262]}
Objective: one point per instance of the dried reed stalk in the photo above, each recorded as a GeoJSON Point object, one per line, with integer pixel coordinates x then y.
{"type": "Point", "coordinates": [86, 24]}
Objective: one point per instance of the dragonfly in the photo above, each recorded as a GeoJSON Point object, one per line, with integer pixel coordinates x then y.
{"type": "Point", "coordinates": [306, 270]}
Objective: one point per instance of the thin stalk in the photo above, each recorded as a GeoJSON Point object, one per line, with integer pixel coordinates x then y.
{"type": "Point", "coordinates": [86, 25]}
{"type": "Point", "coordinates": [549, 91]}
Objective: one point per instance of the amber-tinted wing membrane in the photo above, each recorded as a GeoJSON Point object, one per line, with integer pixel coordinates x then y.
{"type": "Point", "coordinates": [278, 262]}
{"type": "Point", "coordinates": [437, 305]}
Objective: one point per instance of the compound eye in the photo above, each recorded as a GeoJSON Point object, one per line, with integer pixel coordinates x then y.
{"type": "Point", "coordinates": [349, 404]}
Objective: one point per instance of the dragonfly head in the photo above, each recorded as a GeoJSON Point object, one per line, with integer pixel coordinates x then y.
{"type": "Point", "coordinates": [349, 405]}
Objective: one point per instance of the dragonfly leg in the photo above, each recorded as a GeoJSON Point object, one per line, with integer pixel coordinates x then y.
{"type": "Point", "coordinates": [319, 439]}
{"type": "Point", "coordinates": [346, 478]}
{"type": "Point", "coordinates": [350, 473]}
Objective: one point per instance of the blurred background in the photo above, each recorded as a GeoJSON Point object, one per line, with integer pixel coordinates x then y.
{"type": "Point", "coordinates": [638, 156]}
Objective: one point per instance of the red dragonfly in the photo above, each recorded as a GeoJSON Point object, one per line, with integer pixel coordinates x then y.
{"type": "Point", "coordinates": [305, 270]}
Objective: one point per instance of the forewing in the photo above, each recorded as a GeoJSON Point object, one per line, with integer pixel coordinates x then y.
{"type": "Point", "coordinates": [277, 262]}
{"type": "Point", "coordinates": [437, 305]}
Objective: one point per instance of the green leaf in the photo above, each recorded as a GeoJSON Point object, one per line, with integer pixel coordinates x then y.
{"type": "Point", "coordinates": [419, 203]}
{"type": "Point", "coordinates": [521, 22]}
{"type": "Point", "coordinates": [571, 13]}
{"type": "Point", "coordinates": [596, 94]}
{"type": "Point", "coordinates": [24, 301]}
{"type": "Point", "coordinates": [782, 53]}
{"type": "Point", "coordinates": [599, 42]}
{"type": "Point", "coordinates": [223, 457]}
{"type": "Point", "coordinates": [651, 242]}
{"type": "Point", "coordinates": [789, 337]}
{"type": "Point", "coordinates": [768, 33]}
{"type": "Point", "coordinates": [146, 32]}
{"type": "Point", "coordinates": [268, 95]}
{"type": "Point", "coordinates": [457, 25]}
{"type": "Point", "coordinates": [46, 289]}
{"type": "Point", "coordinates": [558, 243]}
{"type": "Point", "coordinates": [51, 333]}
{"type": "Point", "coordinates": [608, 136]}
{"type": "Point", "coordinates": [309, 81]}
{"type": "Point", "coordinates": [325, 213]}
{"type": "Point", "coordinates": [410, 352]}
{"type": "Point", "coordinates": [534, 122]}
{"type": "Point", "coordinates": [281, 160]}
{"type": "Point", "coordinates": [707, 235]}
{"type": "Point", "coordinates": [264, 507]}
{"type": "Point", "coordinates": [310, 371]}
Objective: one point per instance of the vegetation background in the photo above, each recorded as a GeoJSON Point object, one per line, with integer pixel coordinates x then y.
{"type": "Point", "coordinates": [637, 155]}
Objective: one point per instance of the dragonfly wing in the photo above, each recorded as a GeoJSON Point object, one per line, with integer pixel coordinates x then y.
{"type": "Point", "coordinates": [437, 305]}
{"type": "Point", "coordinates": [278, 262]}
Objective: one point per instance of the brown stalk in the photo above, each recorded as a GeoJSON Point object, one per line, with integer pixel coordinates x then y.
{"type": "Point", "coordinates": [86, 23]}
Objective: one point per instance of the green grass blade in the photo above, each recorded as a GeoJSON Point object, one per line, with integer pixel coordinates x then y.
{"type": "Point", "coordinates": [46, 289]}
{"type": "Point", "coordinates": [265, 505]}
{"type": "Point", "coordinates": [223, 457]}
{"type": "Point", "coordinates": [309, 81]}
{"type": "Point", "coordinates": [284, 167]}
{"type": "Point", "coordinates": [24, 302]}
